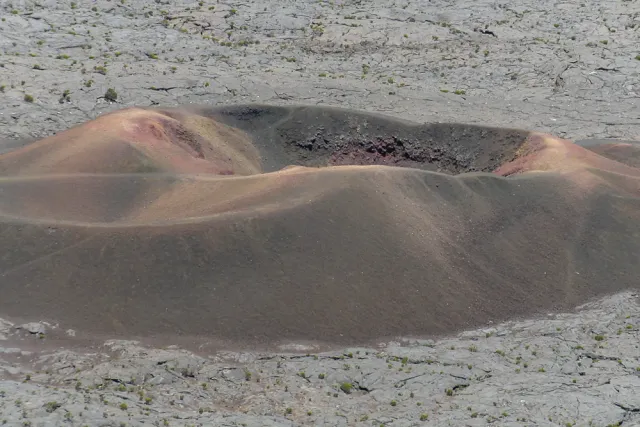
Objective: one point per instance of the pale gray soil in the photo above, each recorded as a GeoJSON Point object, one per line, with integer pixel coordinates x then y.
{"type": "Point", "coordinates": [565, 67]}
{"type": "Point", "coordinates": [579, 369]}
{"type": "Point", "coordinates": [569, 68]}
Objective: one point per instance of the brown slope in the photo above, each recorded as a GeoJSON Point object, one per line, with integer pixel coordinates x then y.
{"type": "Point", "coordinates": [138, 141]}
{"type": "Point", "coordinates": [347, 253]}
{"type": "Point", "coordinates": [381, 252]}
{"type": "Point", "coordinates": [623, 151]}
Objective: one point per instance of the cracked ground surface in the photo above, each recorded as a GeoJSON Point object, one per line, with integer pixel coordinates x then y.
{"type": "Point", "coordinates": [579, 369]}
{"type": "Point", "coordinates": [568, 68]}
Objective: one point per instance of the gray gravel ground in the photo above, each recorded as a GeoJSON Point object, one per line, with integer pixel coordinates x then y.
{"type": "Point", "coordinates": [569, 68]}
{"type": "Point", "coordinates": [580, 369]}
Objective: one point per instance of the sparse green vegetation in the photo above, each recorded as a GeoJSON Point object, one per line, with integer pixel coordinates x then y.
{"type": "Point", "coordinates": [599, 338]}
{"type": "Point", "coordinates": [346, 387]}
{"type": "Point", "coordinates": [124, 406]}
{"type": "Point", "coordinates": [424, 417]}
{"type": "Point", "coordinates": [52, 406]}
{"type": "Point", "coordinates": [111, 95]}
{"type": "Point", "coordinates": [449, 392]}
{"type": "Point", "coordinates": [28, 98]}
{"type": "Point", "coordinates": [317, 29]}
{"type": "Point", "coordinates": [393, 403]}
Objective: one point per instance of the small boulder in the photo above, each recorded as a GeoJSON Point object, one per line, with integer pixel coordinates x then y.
{"type": "Point", "coordinates": [33, 328]}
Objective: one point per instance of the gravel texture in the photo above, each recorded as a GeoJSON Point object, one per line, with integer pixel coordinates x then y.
{"type": "Point", "coordinates": [579, 369]}
{"type": "Point", "coordinates": [569, 68]}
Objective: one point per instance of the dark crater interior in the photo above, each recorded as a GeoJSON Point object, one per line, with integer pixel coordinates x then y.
{"type": "Point", "coordinates": [325, 136]}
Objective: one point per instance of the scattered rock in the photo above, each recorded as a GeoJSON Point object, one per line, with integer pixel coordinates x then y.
{"type": "Point", "coordinates": [33, 327]}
